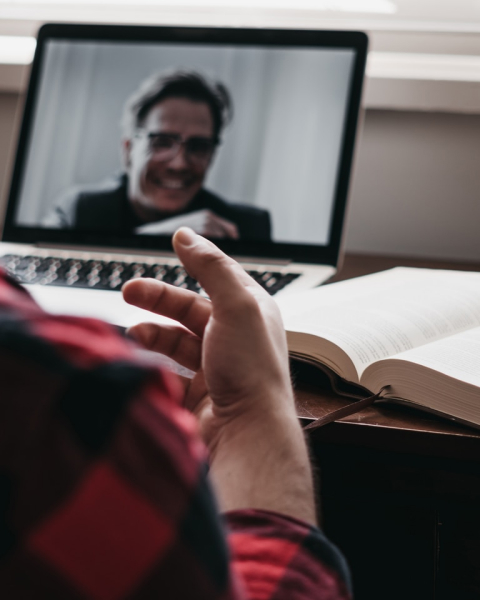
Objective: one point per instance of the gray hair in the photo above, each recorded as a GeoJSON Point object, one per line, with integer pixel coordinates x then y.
{"type": "Point", "coordinates": [178, 84]}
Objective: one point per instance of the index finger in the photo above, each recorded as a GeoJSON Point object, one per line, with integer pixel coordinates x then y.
{"type": "Point", "coordinates": [223, 278]}
{"type": "Point", "coordinates": [188, 308]}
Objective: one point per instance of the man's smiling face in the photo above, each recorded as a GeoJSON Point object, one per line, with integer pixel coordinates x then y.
{"type": "Point", "coordinates": [159, 185]}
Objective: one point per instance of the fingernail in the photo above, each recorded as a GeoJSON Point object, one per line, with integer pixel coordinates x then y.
{"type": "Point", "coordinates": [185, 236]}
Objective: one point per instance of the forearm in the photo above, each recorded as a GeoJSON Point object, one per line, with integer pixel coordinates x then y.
{"type": "Point", "coordinates": [263, 463]}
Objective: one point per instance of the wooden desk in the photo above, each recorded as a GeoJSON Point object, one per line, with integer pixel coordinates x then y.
{"type": "Point", "coordinates": [399, 489]}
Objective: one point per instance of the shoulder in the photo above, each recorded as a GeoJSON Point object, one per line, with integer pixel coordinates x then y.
{"type": "Point", "coordinates": [105, 191]}
{"type": "Point", "coordinates": [79, 201]}
{"type": "Point", "coordinates": [101, 206]}
{"type": "Point", "coordinates": [101, 428]}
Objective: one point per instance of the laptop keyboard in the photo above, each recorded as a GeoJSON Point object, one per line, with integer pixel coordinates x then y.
{"type": "Point", "coordinates": [103, 275]}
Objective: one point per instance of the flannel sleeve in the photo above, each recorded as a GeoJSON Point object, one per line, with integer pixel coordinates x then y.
{"type": "Point", "coordinates": [282, 558]}
{"type": "Point", "coordinates": [103, 486]}
{"type": "Point", "coordinates": [104, 492]}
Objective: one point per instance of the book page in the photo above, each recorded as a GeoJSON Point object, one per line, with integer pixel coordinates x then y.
{"type": "Point", "coordinates": [381, 315]}
{"type": "Point", "coordinates": [457, 356]}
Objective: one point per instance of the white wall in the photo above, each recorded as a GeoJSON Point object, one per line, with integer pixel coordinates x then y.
{"type": "Point", "coordinates": [9, 104]}
{"type": "Point", "coordinates": [417, 186]}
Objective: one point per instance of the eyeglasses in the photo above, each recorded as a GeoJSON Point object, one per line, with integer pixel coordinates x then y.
{"type": "Point", "coordinates": [165, 146]}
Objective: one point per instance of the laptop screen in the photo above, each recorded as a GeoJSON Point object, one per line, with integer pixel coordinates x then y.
{"type": "Point", "coordinates": [246, 136]}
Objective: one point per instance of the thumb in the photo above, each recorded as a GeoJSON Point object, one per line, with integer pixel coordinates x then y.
{"type": "Point", "coordinates": [217, 273]}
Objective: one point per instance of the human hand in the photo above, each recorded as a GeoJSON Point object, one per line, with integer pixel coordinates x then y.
{"type": "Point", "coordinates": [235, 343]}
{"type": "Point", "coordinates": [204, 222]}
{"type": "Point", "coordinates": [241, 392]}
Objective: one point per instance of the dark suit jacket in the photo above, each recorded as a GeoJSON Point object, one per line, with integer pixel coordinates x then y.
{"type": "Point", "coordinates": [109, 211]}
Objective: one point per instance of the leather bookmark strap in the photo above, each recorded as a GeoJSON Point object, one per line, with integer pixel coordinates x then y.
{"type": "Point", "coordinates": [346, 411]}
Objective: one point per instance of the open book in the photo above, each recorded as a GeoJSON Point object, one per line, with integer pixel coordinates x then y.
{"type": "Point", "coordinates": [411, 334]}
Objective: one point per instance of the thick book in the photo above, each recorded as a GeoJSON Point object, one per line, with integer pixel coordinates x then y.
{"type": "Point", "coordinates": [408, 335]}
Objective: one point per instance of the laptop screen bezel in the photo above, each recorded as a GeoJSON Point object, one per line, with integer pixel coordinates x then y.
{"type": "Point", "coordinates": [306, 253]}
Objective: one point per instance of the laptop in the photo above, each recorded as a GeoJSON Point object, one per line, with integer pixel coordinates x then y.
{"type": "Point", "coordinates": [128, 132]}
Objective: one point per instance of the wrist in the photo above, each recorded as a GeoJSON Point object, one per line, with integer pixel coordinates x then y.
{"type": "Point", "coordinates": [261, 461]}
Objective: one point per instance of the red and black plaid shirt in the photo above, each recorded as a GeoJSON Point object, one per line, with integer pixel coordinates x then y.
{"type": "Point", "coordinates": [103, 487]}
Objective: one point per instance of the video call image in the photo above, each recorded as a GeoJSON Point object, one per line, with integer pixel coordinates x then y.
{"type": "Point", "coordinates": [139, 139]}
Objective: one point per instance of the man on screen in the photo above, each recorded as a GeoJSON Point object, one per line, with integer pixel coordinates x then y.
{"type": "Point", "coordinates": [171, 129]}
